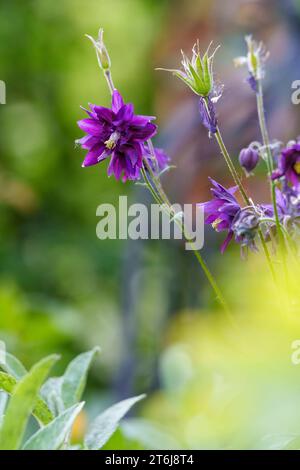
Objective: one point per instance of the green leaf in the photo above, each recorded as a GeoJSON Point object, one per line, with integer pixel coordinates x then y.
{"type": "Point", "coordinates": [207, 75]}
{"type": "Point", "coordinates": [103, 427]}
{"type": "Point", "coordinates": [74, 378]}
{"type": "Point", "coordinates": [7, 382]}
{"type": "Point", "coordinates": [52, 436]}
{"type": "Point", "coordinates": [51, 392]}
{"type": "Point", "coordinates": [22, 402]}
{"type": "Point", "coordinates": [13, 366]}
{"type": "Point", "coordinates": [41, 411]}
{"type": "Point", "coordinates": [199, 66]}
{"type": "Point", "coordinates": [199, 83]}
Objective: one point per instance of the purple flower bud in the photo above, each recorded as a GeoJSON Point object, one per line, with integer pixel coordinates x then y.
{"type": "Point", "coordinates": [208, 114]}
{"type": "Point", "coordinates": [248, 159]}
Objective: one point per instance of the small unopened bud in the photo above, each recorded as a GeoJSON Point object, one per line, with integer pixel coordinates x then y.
{"type": "Point", "coordinates": [101, 51]}
{"type": "Point", "coordinates": [248, 159]}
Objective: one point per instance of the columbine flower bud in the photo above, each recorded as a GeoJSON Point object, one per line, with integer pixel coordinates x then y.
{"type": "Point", "coordinates": [197, 72]}
{"type": "Point", "coordinates": [254, 60]}
{"type": "Point", "coordinates": [248, 159]}
{"type": "Point", "coordinates": [101, 51]}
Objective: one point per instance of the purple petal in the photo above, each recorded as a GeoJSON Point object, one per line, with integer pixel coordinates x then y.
{"type": "Point", "coordinates": [95, 155]}
{"type": "Point", "coordinates": [114, 167]}
{"type": "Point", "coordinates": [90, 126]}
{"type": "Point", "coordinates": [143, 133]}
{"type": "Point", "coordinates": [141, 120]}
{"type": "Point", "coordinates": [226, 242]}
{"type": "Point", "coordinates": [212, 217]}
{"type": "Point", "coordinates": [208, 115]}
{"type": "Point", "coordinates": [117, 101]}
{"type": "Point", "coordinates": [293, 177]}
{"type": "Point", "coordinates": [88, 141]}
{"type": "Point", "coordinates": [124, 114]}
{"type": "Point", "coordinates": [277, 174]}
{"type": "Point", "coordinates": [105, 114]}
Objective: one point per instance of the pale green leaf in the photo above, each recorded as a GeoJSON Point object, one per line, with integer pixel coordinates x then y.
{"type": "Point", "coordinates": [13, 366]}
{"type": "Point", "coordinates": [74, 378]}
{"type": "Point", "coordinates": [103, 427]}
{"type": "Point", "coordinates": [52, 436]}
{"type": "Point", "coordinates": [51, 392]}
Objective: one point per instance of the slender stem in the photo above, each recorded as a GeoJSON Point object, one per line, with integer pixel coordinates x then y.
{"type": "Point", "coordinates": [149, 185]}
{"type": "Point", "coordinates": [154, 177]}
{"type": "Point", "coordinates": [266, 142]}
{"type": "Point", "coordinates": [231, 167]}
{"type": "Point", "coordinates": [109, 80]}
{"type": "Point", "coordinates": [270, 166]}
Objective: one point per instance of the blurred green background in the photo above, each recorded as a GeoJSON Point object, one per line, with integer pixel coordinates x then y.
{"type": "Point", "coordinates": [63, 290]}
{"type": "Point", "coordinates": [60, 286]}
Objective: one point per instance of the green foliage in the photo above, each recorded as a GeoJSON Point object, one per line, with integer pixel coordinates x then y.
{"type": "Point", "coordinates": [52, 436]}
{"type": "Point", "coordinates": [105, 424]}
{"type": "Point", "coordinates": [22, 403]}
{"type": "Point", "coordinates": [55, 404]}
{"type": "Point", "coordinates": [74, 379]}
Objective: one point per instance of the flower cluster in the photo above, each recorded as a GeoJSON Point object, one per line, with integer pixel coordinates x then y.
{"type": "Point", "coordinates": [124, 138]}
{"type": "Point", "coordinates": [223, 212]}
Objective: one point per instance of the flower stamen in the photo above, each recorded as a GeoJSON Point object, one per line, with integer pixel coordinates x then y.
{"type": "Point", "coordinates": [112, 141]}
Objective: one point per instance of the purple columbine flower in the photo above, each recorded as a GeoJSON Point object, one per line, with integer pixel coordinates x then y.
{"type": "Point", "coordinates": [222, 210]}
{"type": "Point", "coordinates": [289, 165]}
{"type": "Point", "coordinates": [208, 114]}
{"type": "Point", "coordinates": [117, 133]}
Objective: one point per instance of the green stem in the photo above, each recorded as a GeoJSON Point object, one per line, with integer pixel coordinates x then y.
{"type": "Point", "coordinates": [109, 80]}
{"type": "Point", "coordinates": [231, 166]}
{"type": "Point", "coordinates": [266, 142]}
{"type": "Point", "coordinates": [160, 196]}
{"type": "Point", "coordinates": [270, 166]}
